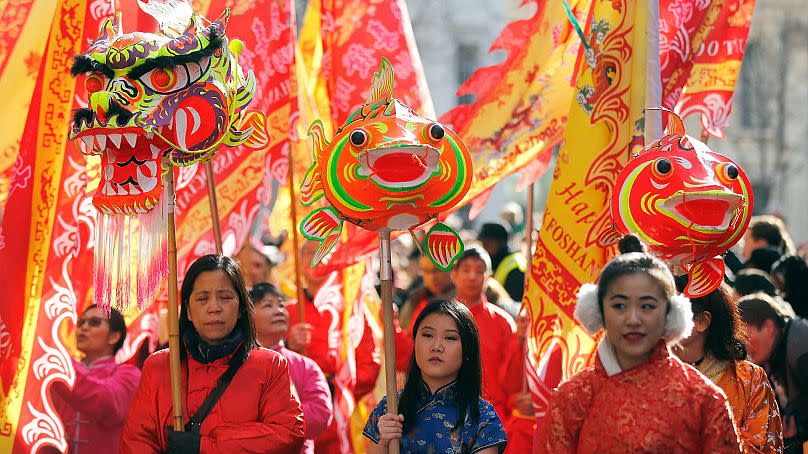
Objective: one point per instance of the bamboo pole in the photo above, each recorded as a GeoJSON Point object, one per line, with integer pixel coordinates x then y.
{"type": "Point", "coordinates": [173, 309]}
{"type": "Point", "coordinates": [301, 314]}
{"type": "Point", "coordinates": [214, 207]}
{"type": "Point", "coordinates": [529, 259]}
{"type": "Point", "coordinates": [386, 277]}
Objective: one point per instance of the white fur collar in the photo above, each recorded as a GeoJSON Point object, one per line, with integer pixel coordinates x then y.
{"type": "Point", "coordinates": [607, 357]}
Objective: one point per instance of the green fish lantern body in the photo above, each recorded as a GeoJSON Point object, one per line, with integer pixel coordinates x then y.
{"type": "Point", "coordinates": [386, 168]}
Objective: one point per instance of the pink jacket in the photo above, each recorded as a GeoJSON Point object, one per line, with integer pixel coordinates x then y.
{"type": "Point", "coordinates": [94, 411]}
{"type": "Point", "coordinates": [315, 396]}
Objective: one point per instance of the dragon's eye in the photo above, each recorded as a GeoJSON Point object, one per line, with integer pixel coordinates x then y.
{"type": "Point", "coordinates": [727, 172]}
{"type": "Point", "coordinates": [176, 78]}
{"type": "Point", "coordinates": [662, 167]}
{"type": "Point", "coordinates": [359, 137]}
{"type": "Point", "coordinates": [436, 132]}
{"type": "Point", "coordinates": [94, 82]}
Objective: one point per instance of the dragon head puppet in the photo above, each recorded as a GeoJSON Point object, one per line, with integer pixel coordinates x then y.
{"type": "Point", "coordinates": [156, 100]}
{"type": "Point", "coordinates": [386, 168]}
{"type": "Point", "coordinates": [155, 96]}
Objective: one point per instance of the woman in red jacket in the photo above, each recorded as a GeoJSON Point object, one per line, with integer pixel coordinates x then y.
{"type": "Point", "coordinates": [258, 411]}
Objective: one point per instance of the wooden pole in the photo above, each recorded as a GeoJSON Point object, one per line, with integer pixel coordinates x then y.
{"type": "Point", "coordinates": [301, 314]}
{"type": "Point", "coordinates": [173, 309]}
{"type": "Point", "coordinates": [214, 208]}
{"type": "Point", "coordinates": [529, 259]}
{"type": "Point", "coordinates": [386, 277]}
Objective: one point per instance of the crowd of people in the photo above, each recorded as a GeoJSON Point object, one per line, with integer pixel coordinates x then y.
{"type": "Point", "coordinates": [727, 372]}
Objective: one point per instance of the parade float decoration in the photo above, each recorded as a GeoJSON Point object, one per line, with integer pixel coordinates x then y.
{"type": "Point", "coordinates": [156, 101]}
{"type": "Point", "coordinates": [386, 169]}
{"type": "Point", "coordinates": [687, 203]}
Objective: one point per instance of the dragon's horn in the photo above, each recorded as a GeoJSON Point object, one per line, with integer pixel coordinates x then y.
{"type": "Point", "coordinates": [221, 22]}
{"type": "Point", "coordinates": [111, 28]}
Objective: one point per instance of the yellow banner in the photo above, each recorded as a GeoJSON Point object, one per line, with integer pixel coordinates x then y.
{"type": "Point", "coordinates": [605, 125]}
{"type": "Point", "coordinates": [521, 104]}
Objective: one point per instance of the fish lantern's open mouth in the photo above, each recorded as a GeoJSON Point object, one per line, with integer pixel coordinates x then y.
{"type": "Point", "coordinates": [707, 210]}
{"type": "Point", "coordinates": [130, 168]}
{"type": "Point", "coordinates": [402, 167]}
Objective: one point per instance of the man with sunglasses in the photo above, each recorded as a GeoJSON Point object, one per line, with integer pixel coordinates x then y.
{"type": "Point", "coordinates": [94, 410]}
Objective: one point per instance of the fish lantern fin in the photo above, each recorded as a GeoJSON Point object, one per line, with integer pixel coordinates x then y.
{"type": "Point", "coordinates": [382, 85]}
{"type": "Point", "coordinates": [324, 226]}
{"type": "Point", "coordinates": [443, 246]}
{"type": "Point", "coordinates": [311, 189]}
{"type": "Point", "coordinates": [704, 277]}
{"type": "Point", "coordinates": [608, 237]}
{"type": "Point", "coordinates": [250, 131]}
{"type": "Point", "coordinates": [673, 122]}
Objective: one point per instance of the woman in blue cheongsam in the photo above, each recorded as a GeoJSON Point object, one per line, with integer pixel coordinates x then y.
{"type": "Point", "coordinates": [442, 410]}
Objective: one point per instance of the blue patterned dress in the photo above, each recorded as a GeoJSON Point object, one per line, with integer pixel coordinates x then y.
{"type": "Point", "coordinates": [436, 416]}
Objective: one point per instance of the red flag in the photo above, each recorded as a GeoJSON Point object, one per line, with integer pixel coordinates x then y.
{"type": "Point", "coordinates": [717, 64]}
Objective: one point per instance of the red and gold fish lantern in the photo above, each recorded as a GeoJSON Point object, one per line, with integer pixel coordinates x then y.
{"type": "Point", "coordinates": [387, 168]}
{"type": "Point", "coordinates": [687, 203]}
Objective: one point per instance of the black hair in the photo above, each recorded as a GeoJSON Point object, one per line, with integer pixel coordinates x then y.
{"type": "Point", "coordinates": [771, 229]}
{"type": "Point", "coordinates": [630, 243]}
{"type": "Point", "coordinates": [494, 231]}
{"type": "Point", "coordinates": [117, 324]}
{"type": "Point", "coordinates": [753, 280]}
{"type": "Point", "coordinates": [758, 307]}
{"type": "Point", "coordinates": [474, 252]}
{"type": "Point", "coordinates": [633, 263]}
{"type": "Point", "coordinates": [468, 389]}
{"type": "Point", "coordinates": [262, 289]}
{"type": "Point", "coordinates": [246, 310]}
{"type": "Point", "coordinates": [792, 271]}
{"type": "Point", "coordinates": [763, 259]}
{"type": "Point", "coordinates": [726, 338]}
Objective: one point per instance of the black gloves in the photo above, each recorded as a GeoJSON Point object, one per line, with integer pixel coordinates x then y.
{"type": "Point", "coordinates": [183, 442]}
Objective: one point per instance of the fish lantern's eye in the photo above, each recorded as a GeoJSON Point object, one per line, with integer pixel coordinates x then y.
{"type": "Point", "coordinates": [663, 167]}
{"type": "Point", "coordinates": [359, 137]}
{"type": "Point", "coordinates": [435, 132]}
{"type": "Point", "coordinates": [727, 172]}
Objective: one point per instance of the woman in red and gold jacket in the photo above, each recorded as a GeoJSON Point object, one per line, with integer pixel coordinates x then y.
{"type": "Point", "coordinates": [258, 411]}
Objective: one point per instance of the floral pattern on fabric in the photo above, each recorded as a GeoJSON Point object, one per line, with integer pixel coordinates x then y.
{"type": "Point", "coordinates": [437, 414]}
{"type": "Point", "coordinates": [754, 407]}
{"type": "Point", "coordinates": [661, 406]}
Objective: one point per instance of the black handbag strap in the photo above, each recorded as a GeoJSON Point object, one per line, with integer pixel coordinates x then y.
{"type": "Point", "coordinates": [195, 423]}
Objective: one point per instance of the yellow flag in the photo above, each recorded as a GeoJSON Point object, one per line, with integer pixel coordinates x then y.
{"type": "Point", "coordinates": [605, 126]}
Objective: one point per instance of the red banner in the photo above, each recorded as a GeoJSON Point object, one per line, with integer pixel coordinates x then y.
{"type": "Point", "coordinates": [245, 179]}
{"type": "Point", "coordinates": [717, 64]}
